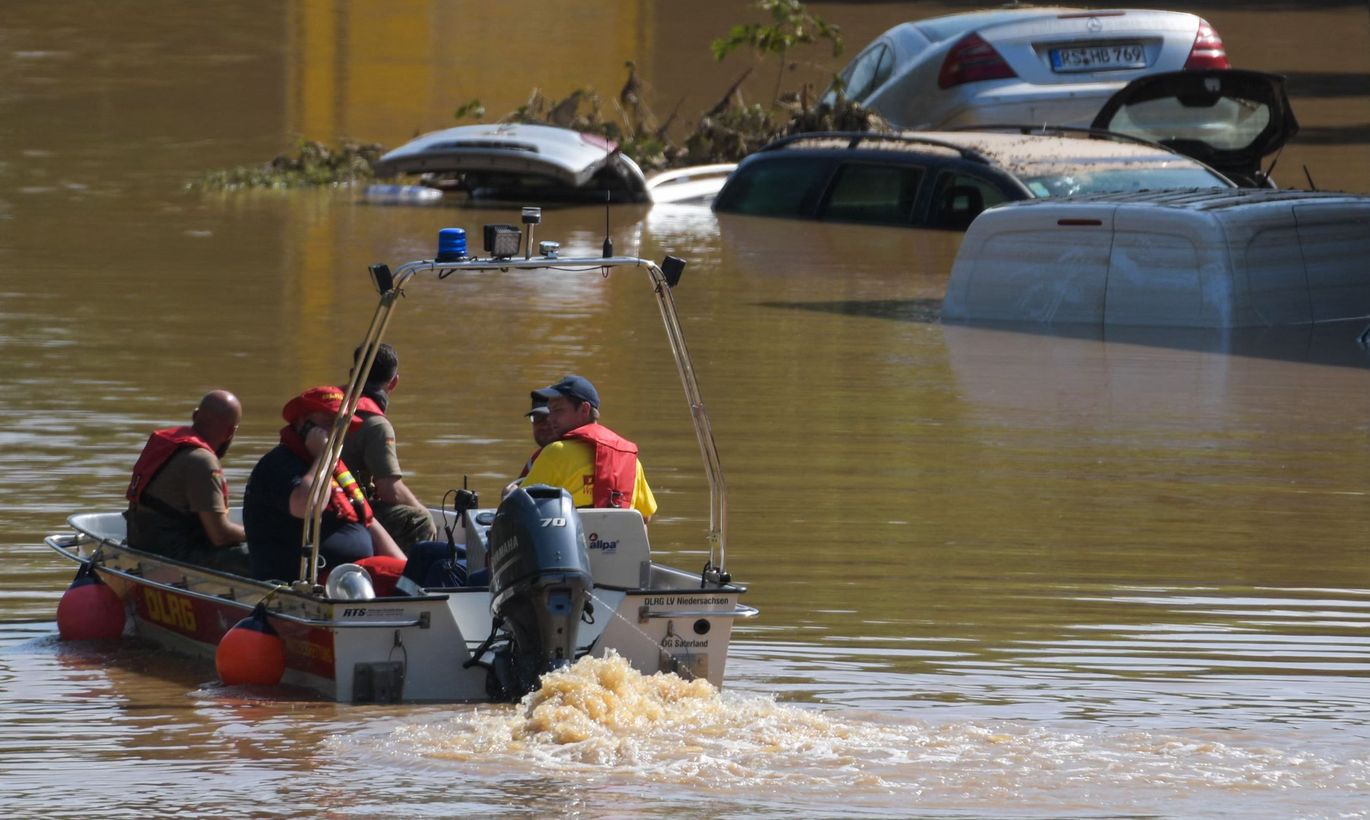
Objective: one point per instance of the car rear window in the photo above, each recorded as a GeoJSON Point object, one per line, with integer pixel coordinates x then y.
{"type": "Point", "coordinates": [787, 186]}
{"type": "Point", "coordinates": [1230, 124]}
{"type": "Point", "coordinates": [941, 28]}
{"type": "Point", "coordinates": [873, 194]}
{"type": "Point", "coordinates": [1123, 178]}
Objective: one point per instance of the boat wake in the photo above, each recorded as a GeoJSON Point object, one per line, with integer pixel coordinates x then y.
{"type": "Point", "coordinates": [602, 713]}
{"type": "Point", "coordinates": [601, 718]}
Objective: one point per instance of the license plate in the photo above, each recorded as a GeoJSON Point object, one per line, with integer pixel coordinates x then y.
{"type": "Point", "coordinates": [1098, 58]}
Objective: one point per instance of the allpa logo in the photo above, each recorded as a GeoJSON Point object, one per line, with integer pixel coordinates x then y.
{"type": "Point", "coordinates": [595, 544]}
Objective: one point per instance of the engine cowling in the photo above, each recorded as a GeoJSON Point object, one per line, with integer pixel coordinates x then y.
{"type": "Point", "coordinates": [540, 581]}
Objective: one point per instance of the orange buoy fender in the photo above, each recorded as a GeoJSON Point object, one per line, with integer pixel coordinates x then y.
{"type": "Point", "coordinates": [251, 652]}
{"type": "Point", "coordinates": [89, 609]}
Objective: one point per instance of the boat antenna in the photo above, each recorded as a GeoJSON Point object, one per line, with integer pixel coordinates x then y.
{"type": "Point", "coordinates": [608, 243]}
{"type": "Point", "coordinates": [1309, 177]}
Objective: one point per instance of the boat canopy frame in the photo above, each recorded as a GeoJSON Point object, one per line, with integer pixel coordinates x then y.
{"type": "Point", "coordinates": [390, 287]}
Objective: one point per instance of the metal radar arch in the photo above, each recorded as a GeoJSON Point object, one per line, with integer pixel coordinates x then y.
{"type": "Point", "coordinates": [502, 244]}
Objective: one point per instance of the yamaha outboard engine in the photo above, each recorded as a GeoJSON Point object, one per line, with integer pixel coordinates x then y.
{"type": "Point", "coordinates": [539, 584]}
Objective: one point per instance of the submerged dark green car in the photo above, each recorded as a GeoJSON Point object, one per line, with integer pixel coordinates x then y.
{"type": "Point", "coordinates": [1184, 130]}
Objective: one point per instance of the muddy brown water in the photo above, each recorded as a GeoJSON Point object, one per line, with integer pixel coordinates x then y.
{"type": "Point", "coordinates": [1001, 573]}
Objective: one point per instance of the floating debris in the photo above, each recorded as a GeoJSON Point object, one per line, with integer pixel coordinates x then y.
{"type": "Point", "coordinates": [313, 164]}
{"type": "Point", "coordinates": [726, 132]}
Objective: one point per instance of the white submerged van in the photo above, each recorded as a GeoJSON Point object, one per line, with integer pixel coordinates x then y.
{"type": "Point", "coordinates": [1221, 258]}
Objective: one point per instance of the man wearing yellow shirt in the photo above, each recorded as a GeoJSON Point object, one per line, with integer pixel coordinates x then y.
{"type": "Point", "coordinates": [596, 465]}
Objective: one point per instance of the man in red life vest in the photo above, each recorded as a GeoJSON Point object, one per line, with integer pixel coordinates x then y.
{"type": "Point", "coordinates": [598, 466]}
{"type": "Point", "coordinates": [277, 496]}
{"type": "Point", "coordinates": [370, 452]}
{"type": "Point", "coordinates": [178, 499]}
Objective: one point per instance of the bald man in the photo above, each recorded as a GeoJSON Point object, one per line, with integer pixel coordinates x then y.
{"type": "Point", "coordinates": [178, 499]}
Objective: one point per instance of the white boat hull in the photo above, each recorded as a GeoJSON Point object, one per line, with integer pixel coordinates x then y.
{"type": "Point", "coordinates": [397, 648]}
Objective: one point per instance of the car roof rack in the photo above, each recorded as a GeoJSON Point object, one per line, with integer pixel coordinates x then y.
{"type": "Point", "coordinates": [1067, 130]}
{"type": "Point", "coordinates": [855, 139]}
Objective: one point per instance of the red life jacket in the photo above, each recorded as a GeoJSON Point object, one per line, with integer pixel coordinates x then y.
{"type": "Point", "coordinates": [160, 447]}
{"type": "Point", "coordinates": [345, 496]}
{"type": "Point", "coordinates": [615, 464]}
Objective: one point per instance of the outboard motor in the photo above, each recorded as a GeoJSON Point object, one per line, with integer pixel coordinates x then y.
{"type": "Point", "coordinates": [540, 584]}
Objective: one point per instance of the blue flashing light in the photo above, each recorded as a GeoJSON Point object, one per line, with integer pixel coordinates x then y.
{"type": "Point", "coordinates": [451, 245]}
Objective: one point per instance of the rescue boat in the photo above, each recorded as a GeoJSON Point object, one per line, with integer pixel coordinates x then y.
{"type": "Point", "coordinates": [563, 582]}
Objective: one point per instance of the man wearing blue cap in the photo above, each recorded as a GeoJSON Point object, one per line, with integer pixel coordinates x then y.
{"type": "Point", "coordinates": [598, 466]}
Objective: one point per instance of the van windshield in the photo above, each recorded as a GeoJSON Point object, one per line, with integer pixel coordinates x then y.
{"type": "Point", "coordinates": [1122, 179]}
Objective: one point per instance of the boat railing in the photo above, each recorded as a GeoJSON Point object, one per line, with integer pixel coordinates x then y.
{"type": "Point", "coordinates": [62, 543]}
{"type": "Point", "coordinates": [738, 611]}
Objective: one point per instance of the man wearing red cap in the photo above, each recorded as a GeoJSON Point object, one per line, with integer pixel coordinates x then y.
{"type": "Point", "coordinates": [178, 499]}
{"type": "Point", "coordinates": [598, 466]}
{"type": "Point", "coordinates": [277, 496]}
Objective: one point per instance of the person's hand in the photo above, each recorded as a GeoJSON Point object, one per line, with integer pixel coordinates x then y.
{"type": "Point", "coordinates": [315, 439]}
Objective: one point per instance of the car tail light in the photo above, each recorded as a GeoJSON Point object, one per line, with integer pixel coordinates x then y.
{"type": "Point", "coordinates": [972, 60]}
{"type": "Point", "coordinates": [1208, 51]}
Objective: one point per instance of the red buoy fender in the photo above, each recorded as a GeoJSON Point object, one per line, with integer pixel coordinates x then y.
{"type": "Point", "coordinates": [89, 609]}
{"type": "Point", "coordinates": [251, 653]}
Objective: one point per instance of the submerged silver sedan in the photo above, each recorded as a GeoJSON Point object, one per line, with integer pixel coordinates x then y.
{"type": "Point", "coordinates": [1048, 66]}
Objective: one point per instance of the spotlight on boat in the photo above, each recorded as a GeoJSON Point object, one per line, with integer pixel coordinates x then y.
{"type": "Point", "coordinates": [502, 241]}
{"type": "Point", "coordinates": [549, 249]}
{"type": "Point", "coordinates": [350, 582]}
